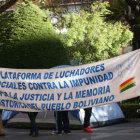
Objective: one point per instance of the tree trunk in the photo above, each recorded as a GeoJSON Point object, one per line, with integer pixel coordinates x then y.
{"type": "Point", "coordinates": [7, 5]}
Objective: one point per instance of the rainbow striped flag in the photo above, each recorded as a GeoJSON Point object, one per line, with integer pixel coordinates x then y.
{"type": "Point", "coordinates": [127, 84]}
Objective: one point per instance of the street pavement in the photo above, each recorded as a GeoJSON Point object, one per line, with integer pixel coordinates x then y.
{"type": "Point", "coordinates": [123, 131]}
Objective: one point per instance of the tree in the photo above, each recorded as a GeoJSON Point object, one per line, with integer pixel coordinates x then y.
{"type": "Point", "coordinates": [90, 38]}
{"type": "Point", "coordinates": [134, 21]}
{"type": "Point", "coordinates": [7, 5]}
{"type": "Point", "coordinates": [128, 10]}
{"type": "Point", "coordinates": [28, 39]}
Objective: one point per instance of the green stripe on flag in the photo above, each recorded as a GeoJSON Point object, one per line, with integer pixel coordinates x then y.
{"type": "Point", "coordinates": [126, 88]}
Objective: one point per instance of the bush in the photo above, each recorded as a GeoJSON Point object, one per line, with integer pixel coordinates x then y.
{"type": "Point", "coordinates": [28, 39]}
{"type": "Point", "coordinates": [130, 110]}
{"type": "Point", "coordinates": [90, 38]}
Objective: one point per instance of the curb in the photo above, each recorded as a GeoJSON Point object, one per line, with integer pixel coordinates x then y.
{"type": "Point", "coordinates": [42, 124]}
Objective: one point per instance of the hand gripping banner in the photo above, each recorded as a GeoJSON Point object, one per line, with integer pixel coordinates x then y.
{"type": "Point", "coordinates": [71, 88]}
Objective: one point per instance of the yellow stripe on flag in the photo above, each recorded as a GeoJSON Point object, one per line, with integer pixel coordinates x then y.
{"type": "Point", "coordinates": [129, 83]}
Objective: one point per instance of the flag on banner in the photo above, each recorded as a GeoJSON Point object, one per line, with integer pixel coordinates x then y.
{"type": "Point", "coordinates": [127, 84]}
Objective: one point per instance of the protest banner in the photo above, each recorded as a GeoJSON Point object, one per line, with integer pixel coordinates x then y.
{"type": "Point", "coordinates": [71, 88]}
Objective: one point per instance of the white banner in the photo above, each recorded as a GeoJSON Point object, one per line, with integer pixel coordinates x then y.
{"type": "Point", "coordinates": [71, 88]}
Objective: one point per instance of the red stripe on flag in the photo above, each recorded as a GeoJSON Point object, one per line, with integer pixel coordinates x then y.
{"type": "Point", "coordinates": [126, 81]}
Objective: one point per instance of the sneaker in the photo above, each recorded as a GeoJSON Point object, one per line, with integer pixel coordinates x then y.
{"type": "Point", "coordinates": [88, 129]}
{"type": "Point", "coordinates": [56, 133]}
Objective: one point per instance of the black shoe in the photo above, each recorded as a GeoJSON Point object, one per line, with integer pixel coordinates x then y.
{"type": "Point", "coordinates": [66, 132]}
{"type": "Point", "coordinates": [2, 135]}
{"type": "Point", "coordinates": [35, 135]}
{"type": "Point", "coordinates": [31, 133]}
{"type": "Point", "coordinates": [56, 133]}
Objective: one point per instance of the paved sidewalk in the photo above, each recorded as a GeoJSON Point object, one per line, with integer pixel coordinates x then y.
{"type": "Point", "coordinates": [123, 131]}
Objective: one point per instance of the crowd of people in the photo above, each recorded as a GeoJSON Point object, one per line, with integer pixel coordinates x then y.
{"type": "Point", "coordinates": [62, 123]}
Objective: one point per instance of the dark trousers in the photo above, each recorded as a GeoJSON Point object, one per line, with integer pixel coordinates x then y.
{"type": "Point", "coordinates": [34, 127]}
{"type": "Point", "coordinates": [62, 121]}
{"type": "Point", "coordinates": [87, 117]}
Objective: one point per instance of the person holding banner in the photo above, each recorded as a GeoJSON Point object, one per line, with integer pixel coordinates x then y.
{"type": "Point", "coordinates": [62, 123]}
{"type": "Point", "coordinates": [34, 127]}
{"type": "Point", "coordinates": [86, 125]}
{"type": "Point", "coordinates": [1, 125]}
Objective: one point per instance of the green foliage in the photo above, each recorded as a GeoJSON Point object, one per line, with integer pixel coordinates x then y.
{"type": "Point", "coordinates": [90, 38]}
{"type": "Point", "coordinates": [118, 10]}
{"type": "Point", "coordinates": [135, 100]}
{"type": "Point", "coordinates": [28, 39]}
{"type": "Point", "coordinates": [130, 106]}
{"type": "Point", "coordinates": [130, 110]}
{"type": "Point", "coordinates": [121, 11]}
